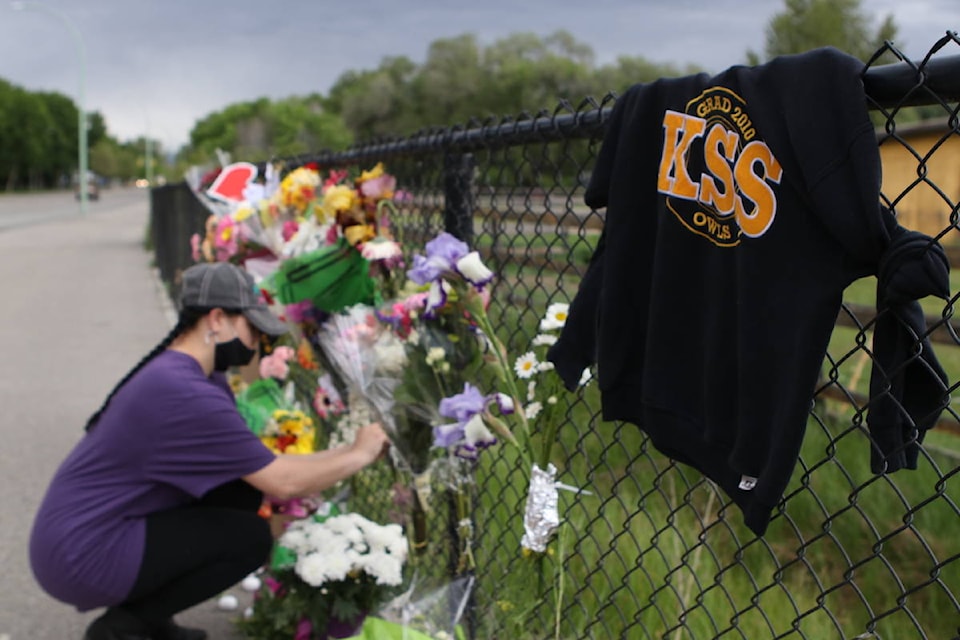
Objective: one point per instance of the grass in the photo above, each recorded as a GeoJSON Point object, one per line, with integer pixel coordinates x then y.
{"type": "Point", "coordinates": [659, 552]}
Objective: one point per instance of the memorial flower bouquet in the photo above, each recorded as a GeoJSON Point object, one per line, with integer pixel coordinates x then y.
{"type": "Point", "coordinates": [342, 250]}
{"type": "Point", "coordinates": [327, 573]}
{"type": "Point", "coordinates": [516, 398]}
{"type": "Point", "coordinates": [457, 285]}
{"type": "Point", "coordinates": [452, 352]}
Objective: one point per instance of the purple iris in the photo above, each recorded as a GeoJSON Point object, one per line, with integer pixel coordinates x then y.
{"type": "Point", "coordinates": [468, 434]}
{"type": "Point", "coordinates": [443, 252]}
{"type": "Point", "coordinates": [425, 270]}
{"type": "Point", "coordinates": [447, 247]}
{"type": "Point", "coordinates": [463, 406]}
{"type": "Point", "coordinates": [448, 435]}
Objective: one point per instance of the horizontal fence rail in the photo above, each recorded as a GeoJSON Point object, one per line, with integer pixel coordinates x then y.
{"type": "Point", "coordinates": [655, 550]}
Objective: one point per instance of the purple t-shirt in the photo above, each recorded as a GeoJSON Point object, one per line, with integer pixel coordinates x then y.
{"type": "Point", "coordinates": [169, 435]}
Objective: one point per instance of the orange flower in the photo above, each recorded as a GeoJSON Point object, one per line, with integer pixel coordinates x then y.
{"type": "Point", "coordinates": [305, 357]}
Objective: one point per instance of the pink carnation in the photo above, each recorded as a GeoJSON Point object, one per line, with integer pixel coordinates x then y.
{"type": "Point", "coordinates": [304, 630]}
{"type": "Point", "coordinates": [284, 352]}
{"type": "Point", "coordinates": [416, 302]}
{"type": "Point", "coordinates": [225, 238]}
{"type": "Point", "coordinates": [195, 247]}
{"type": "Point", "coordinates": [378, 187]}
{"type": "Point", "coordinates": [297, 312]}
{"type": "Point", "coordinates": [333, 233]}
{"type": "Point", "coordinates": [290, 228]}
{"type": "Point", "coordinates": [275, 364]}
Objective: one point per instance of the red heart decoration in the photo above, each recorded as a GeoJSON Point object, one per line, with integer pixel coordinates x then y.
{"type": "Point", "coordinates": [231, 182]}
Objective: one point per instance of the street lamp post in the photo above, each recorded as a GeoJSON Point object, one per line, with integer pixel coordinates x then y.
{"type": "Point", "coordinates": [81, 106]}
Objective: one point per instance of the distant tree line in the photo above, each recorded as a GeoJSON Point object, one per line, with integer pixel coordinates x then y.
{"type": "Point", "coordinates": [460, 81]}
{"type": "Point", "coordinates": [39, 139]}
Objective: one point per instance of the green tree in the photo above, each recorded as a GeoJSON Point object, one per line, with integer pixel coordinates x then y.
{"type": "Point", "coordinates": [96, 128]}
{"type": "Point", "coordinates": [28, 131]}
{"type": "Point", "coordinates": [262, 129]}
{"type": "Point", "coordinates": [446, 88]}
{"type": "Point", "coordinates": [376, 103]}
{"type": "Point", "coordinates": [807, 24]}
{"type": "Point", "coordinates": [105, 158]}
{"type": "Point", "coordinates": [301, 125]}
{"type": "Point", "coordinates": [61, 144]}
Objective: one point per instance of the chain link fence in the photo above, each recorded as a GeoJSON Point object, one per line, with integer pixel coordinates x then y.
{"type": "Point", "coordinates": [655, 550]}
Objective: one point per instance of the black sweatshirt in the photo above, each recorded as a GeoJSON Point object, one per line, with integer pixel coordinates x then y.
{"type": "Point", "coordinates": [738, 209]}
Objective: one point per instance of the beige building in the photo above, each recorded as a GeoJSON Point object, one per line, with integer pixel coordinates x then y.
{"type": "Point", "coordinates": [921, 176]}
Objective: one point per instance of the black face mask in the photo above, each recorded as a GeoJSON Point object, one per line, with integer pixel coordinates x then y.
{"type": "Point", "coordinates": [232, 353]}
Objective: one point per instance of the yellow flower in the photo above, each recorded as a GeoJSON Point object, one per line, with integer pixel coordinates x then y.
{"type": "Point", "coordinates": [243, 213]}
{"type": "Point", "coordinates": [237, 385]}
{"type": "Point", "coordinates": [376, 172]}
{"type": "Point", "coordinates": [271, 443]}
{"type": "Point", "coordinates": [339, 198]}
{"type": "Point", "coordinates": [304, 444]}
{"type": "Point", "coordinates": [359, 233]}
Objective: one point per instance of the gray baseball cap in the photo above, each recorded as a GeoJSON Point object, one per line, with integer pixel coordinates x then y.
{"type": "Point", "coordinates": [223, 285]}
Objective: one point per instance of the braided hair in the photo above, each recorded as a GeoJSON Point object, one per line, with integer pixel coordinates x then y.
{"type": "Point", "coordinates": [187, 319]}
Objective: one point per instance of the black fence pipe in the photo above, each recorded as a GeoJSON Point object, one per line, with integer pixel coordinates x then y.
{"type": "Point", "coordinates": [458, 196]}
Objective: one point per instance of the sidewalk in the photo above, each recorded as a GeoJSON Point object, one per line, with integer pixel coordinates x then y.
{"type": "Point", "coordinates": [79, 306]}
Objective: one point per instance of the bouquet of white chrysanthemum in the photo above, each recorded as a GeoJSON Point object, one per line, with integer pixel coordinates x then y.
{"type": "Point", "coordinates": [327, 572]}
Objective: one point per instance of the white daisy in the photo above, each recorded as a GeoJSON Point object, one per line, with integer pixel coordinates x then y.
{"type": "Point", "coordinates": [555, 317]}
{"type": "Point", "coordinates": [544, 340]}
{"type": "Point", "coordinates": [532, 410]}
{"type": "Point", "coordinates": [526, 365]}
{"type": "Point", "coordinates": [585, 377]}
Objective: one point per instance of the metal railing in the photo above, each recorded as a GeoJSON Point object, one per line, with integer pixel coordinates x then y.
{"type": "Point", "coordinates": [657, 551]}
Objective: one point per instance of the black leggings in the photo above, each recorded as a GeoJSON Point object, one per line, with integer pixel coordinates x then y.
{"type": "Point", "coordinates": [195, 552]}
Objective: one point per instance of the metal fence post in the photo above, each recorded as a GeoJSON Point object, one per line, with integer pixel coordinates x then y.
{"type": "Point", "coordinates": [458, 190]}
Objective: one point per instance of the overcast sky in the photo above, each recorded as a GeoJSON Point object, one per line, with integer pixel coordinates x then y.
{"type": "Point", "coordinates": [157, 67]}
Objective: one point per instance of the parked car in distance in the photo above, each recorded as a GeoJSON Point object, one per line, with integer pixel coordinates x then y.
{"type": "Point", "coordinates": [93, 187]}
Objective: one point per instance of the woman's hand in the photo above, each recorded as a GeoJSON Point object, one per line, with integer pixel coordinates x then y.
{"type": "Point", "coordinates": [372, 440]}
{"type": "Point", "coordinates": [296, 476]}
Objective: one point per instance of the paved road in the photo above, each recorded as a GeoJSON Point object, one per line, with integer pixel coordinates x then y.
{"type": "Point", "coordinates": [79, 305]}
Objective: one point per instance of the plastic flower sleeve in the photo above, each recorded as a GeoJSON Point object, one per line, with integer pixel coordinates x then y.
{"type": "Point", "coordinates": [433, 610]}
{"type": "Point", "coordinates": [541, 517]}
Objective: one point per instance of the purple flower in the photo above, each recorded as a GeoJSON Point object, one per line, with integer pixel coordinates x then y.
{"type": "Point", "coordinates": [425, 270]}
{"type": "Point", "coordinates": [463, 406]}
{"type": "Point", "coordinates": [473, 270]}
{"type": "Point", "coordinates": [447, 248]}
{"type": "Point", "coordinates": [505, 404]}
{"type": "Point", "coordinates": [443, 253]}
{"type": "Point", "coordinates": [436, 298]}
{"type": "Point", "coordinates": [447, 435]}
{"type": "Point", "coordinates": [304, 629]}
{"type": "Point", "coordinates": [476, 436]}
{"type": "Point", "coordinates": [469, 434]}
